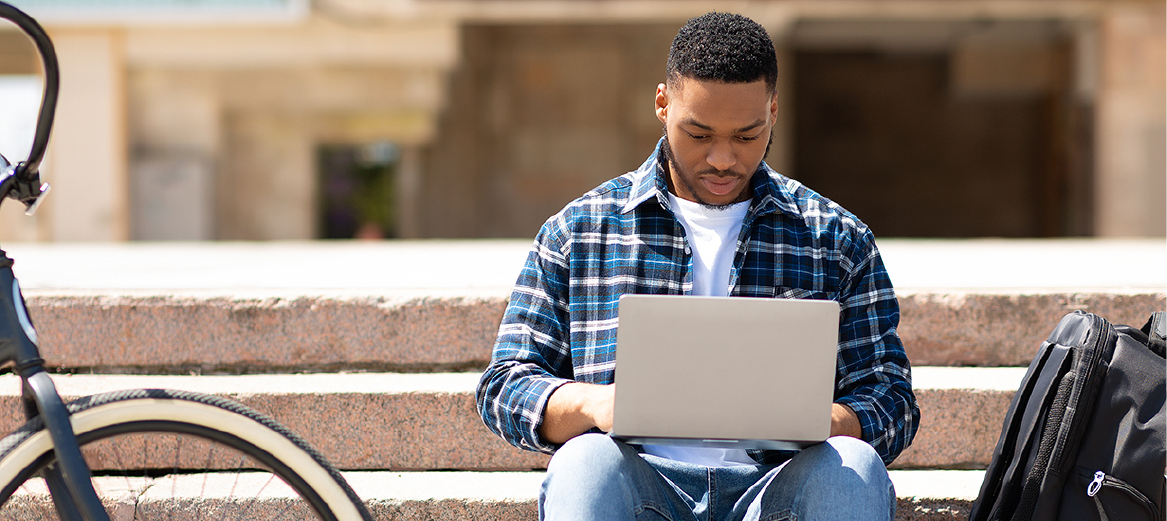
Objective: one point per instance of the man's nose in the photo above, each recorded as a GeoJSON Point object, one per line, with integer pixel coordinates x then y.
{"type": "Point", "coordinates": [721, 155]}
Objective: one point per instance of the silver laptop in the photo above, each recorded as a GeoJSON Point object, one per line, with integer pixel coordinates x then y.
{"type": "Point", "coordinates": [730, 372]}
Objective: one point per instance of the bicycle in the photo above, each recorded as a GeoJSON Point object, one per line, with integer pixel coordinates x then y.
{"type": "Point", "coordinates": [72, 461]}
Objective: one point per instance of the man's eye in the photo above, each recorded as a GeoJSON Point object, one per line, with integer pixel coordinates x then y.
{"type": "Point", "coordinates": [747, 138]}
{"type": "Point", "coordinates": [697, 137]}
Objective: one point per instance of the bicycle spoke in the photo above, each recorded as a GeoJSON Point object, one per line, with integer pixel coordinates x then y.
{"type": "Point", "coordinates": [207, 465]}
{"type": "Point", "coordinates": [174, 470]}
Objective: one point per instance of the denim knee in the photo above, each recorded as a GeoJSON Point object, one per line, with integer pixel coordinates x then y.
{"type": "Point", "coordinates": [861, 458]}
{"type": "Point", "coordinates": [592, 453]}
{"type": "Point", "coordinates": [843, 478]}
{"type": "Point", "coordinates": [590, 477]}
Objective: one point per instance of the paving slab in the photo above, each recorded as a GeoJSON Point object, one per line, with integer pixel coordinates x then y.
{"type": "Point", "coordinates": [240, 268]}
{"type": "Point", "coordinates": [429, 421]}
{"type": "Point", "coordinates": [261, 268]}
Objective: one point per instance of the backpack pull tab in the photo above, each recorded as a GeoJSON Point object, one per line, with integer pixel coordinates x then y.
{"type": "Point", "coordinates": [1095, 485]}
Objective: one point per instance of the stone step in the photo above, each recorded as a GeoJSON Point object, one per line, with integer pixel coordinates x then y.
{"type": "Point", "coordinates": [411, 331]}
{"type": "Point", "coordinates": [181, 334]}
{"type": "Point", "coordinates": [931, 495]}
{"type": "Point", "coordinates": [501, 496]}
{"type": "Point", "coordinates": [429, 421]}
{"type": "Point", "coordinates": [175, 308]}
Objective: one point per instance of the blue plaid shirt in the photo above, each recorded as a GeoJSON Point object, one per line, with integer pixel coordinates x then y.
{"type": "Point", "coordinates": [622, 237]}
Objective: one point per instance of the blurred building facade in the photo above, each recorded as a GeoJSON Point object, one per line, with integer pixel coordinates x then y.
{"type": "Point", "coordinates": [256, 120]}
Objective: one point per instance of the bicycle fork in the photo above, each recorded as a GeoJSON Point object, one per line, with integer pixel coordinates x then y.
{"type": "Point", "coordinates": [69, 480]}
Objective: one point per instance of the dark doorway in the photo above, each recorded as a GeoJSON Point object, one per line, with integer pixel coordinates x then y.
{"type": "Point", "coordinates": [890, 137]}
{"type": "Point", "coordinates": [357, 191]}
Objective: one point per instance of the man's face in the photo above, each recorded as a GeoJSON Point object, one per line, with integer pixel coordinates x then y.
{"type": "Point", "coordinates": [718, 134]}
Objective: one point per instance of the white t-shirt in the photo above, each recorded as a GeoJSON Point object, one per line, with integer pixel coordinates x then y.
{"type": "Point", "coordinates": [712, 236]}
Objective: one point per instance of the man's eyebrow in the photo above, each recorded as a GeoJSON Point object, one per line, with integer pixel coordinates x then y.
{"type": "Point", "coordinates": [694, 123]}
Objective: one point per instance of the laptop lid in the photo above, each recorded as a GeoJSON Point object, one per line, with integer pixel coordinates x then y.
{"type": "Point", "coordinates": [725, 371]}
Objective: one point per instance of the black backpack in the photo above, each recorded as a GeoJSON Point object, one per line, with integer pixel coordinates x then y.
{"type": "Point", "coordinates": [1084, 438]}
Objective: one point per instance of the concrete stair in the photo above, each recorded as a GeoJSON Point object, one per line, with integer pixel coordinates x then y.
{"type": "Point", "coordinates": [410, 331]}
{"type": "Point", "coordinates": [371, 351]}
{"type": "Point", "coordinates": [499, 496]}
{"type": "Point", "coordinates": [416, 418]}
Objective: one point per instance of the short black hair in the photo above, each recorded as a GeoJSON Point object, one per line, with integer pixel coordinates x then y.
{"type": "Point", "coordinates": [722, 47]}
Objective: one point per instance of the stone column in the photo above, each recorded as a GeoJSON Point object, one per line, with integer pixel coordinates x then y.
{"type": "Point", "coordinates": [175, 124]}
{"type": "Point", "coordinates": [408, 191]}
{"type": "Point", "coordinates": [266, 190]}
{"type": "Point", "coordinates": [1131, 175]}
{"type": "Point", "coordinates": [87, 151]}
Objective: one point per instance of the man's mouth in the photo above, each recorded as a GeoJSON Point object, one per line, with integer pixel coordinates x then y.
{"type": "Point", "coordinates": [720, 186]}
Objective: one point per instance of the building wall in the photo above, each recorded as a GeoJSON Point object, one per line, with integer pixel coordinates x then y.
{"type": "Point", "coordinates": [924, 128]}
{"type": "Point", "coordinates": [507, 110]}
{"type": "Point", "coordinates": [232, 117]}
{"type": "Point", "coordinates": [539, 115]}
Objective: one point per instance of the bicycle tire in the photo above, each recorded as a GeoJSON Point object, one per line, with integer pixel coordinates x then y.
{"type": "Point", "coordinates": [152, 420]}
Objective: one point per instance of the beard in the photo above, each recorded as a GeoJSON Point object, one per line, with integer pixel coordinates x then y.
{"type": "Point", "coordinates": [684, 179]}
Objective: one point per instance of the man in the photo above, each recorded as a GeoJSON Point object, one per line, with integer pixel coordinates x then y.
{"type": "Point", "coordinates": [703, 215]}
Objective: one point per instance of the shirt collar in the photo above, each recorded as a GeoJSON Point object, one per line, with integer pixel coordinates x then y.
{"type": "Point", "coordinates": [648, 182]}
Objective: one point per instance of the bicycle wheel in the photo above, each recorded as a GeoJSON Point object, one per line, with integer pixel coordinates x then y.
{"type": "Point", "coordinates": [162, 454]}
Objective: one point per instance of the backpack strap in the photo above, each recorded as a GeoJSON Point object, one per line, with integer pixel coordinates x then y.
{"type": "Point", "coordinates": [1045, 450]}
{"type": "Point", "coordinates": [1156, 331]}
{"type": "Point", "coordinates": [1156, 326]}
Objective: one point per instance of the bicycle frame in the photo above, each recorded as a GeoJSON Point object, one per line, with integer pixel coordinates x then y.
{"type": "Point", "coordinates": [69, 479]}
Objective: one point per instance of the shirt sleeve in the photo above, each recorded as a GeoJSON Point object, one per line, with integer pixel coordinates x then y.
{"type": "Point", "coordinates": [875, 377]}
{"type": "Point", "coordinates": [532, 355]}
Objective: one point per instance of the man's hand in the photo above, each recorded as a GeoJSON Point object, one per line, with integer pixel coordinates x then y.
{"type": "Point", "coordinates": [844, 422]}
{"type": "Point", "coordinates": [576, 408]}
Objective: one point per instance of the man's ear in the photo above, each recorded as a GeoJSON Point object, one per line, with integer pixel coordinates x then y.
{"type": "Point", "coordinates": [662, 103]}
{"type": "Point", "coordinates": [774, 107]}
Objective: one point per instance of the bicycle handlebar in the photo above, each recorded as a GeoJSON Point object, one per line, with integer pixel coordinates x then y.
{"type": "Point", "coordinates": [44, 123]}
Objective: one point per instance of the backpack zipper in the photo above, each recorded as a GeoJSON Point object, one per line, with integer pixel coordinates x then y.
{"type": "Point", "coordinates": [1095, 485]}
{"type": "Point", "coordinates": [1101, 479]}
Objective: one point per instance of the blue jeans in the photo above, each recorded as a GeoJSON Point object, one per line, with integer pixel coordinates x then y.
{"type": "Point", "coordinates": [596, 477]}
